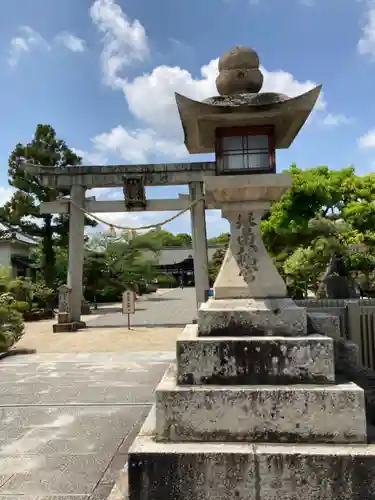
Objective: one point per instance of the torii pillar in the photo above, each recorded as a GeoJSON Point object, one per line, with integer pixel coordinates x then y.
{"type": "Point", "coordinates": [76, 252]}
{"type": "Point", "coordinates": [199, 237]}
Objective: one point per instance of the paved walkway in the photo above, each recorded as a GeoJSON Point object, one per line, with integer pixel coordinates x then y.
{"type": "Point", "coordinates": [66, 422]}
{"type": "Point", "coordinates": [153, 327]}
{"type": "Point", "coordinates": [175, 308]}
{"type": "Point", "coordinates": [68, 416]}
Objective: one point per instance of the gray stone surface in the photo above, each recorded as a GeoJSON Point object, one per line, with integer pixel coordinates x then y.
{"type": "Point", "coordinates": [252, 317]}
{"type": "Point", "coordinates": [106, 176]}
{"type": "Point", "coordinates": [253, 360]}
{"type": "Point", "coordinates": [293, 414]}
{"type": "Point", "coordinates": [66, 421]}
{"type": "Point", "coordinates": [175, 308]}
{"type": "Point", "coordinates": [245, 471]}
{"type": "Point", "coordinates": [324, 324]}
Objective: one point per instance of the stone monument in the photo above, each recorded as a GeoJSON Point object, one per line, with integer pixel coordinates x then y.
{"type": "Point", "coordinates": [65, 322]}
{"type": "Point", "coordinates": [251, 411]}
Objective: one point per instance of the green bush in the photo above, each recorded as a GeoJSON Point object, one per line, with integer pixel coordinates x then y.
{"type": "Point", "coordinates": [33, 298]}
{"type": "Point", "coordinates": [11, 321]}
{"type": "Point", "coordinates": [165, 281]}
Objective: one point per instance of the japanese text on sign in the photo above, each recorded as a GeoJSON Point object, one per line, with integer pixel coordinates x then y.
{"type": "Point", "coordinates": [128, 302]}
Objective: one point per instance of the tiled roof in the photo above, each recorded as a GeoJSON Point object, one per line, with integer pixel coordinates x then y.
{"type": "Point", "coordinates": [8, 232]}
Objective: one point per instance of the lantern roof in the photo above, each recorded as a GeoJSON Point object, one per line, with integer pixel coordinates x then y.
{"type": "Point", "coordinates": [241, 104]}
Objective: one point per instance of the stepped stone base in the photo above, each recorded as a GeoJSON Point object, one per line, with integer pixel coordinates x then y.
{"type": "Point", "coordinates": [252, 317]}
{"type": "Point", "coordinates": [245, 471]}
{"type": "Point", "coordinates": [299, 414]}
{"type": "Point", "coordinates": [253, 360]}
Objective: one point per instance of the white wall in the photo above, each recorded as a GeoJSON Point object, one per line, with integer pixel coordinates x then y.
{"type": "Point", "coordinates": [5, 254]}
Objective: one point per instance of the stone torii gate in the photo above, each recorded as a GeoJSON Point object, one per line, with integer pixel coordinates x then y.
{"type": "Point", "coordinates": [132, 178]}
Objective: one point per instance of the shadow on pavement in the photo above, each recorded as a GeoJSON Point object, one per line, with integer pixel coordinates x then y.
{"type": "Point", "coordinates": [112, 310]}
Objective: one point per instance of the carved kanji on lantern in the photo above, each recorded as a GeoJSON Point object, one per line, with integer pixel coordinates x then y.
{"type": "Point", "coordinates": [135, 193]}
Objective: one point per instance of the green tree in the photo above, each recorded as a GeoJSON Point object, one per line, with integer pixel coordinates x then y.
{"type": "Point", "coordinates": [113, 264]}
{"type": "Point", "coordinates": [326, 213]}
{"type": "Point", "coordinates": [222, 239]}
{"type": "Point", "coordinates": [23, 209]}
{"type": "Point", "coordinates": [163, 238]}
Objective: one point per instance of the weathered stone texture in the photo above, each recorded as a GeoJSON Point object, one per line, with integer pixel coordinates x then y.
{"type": "Point", "coordinates": [253, 360]}
{"type": "Point", "coordinates": [250, 317]}
{"type": "Point", "coordinates": [244, 471]}
{"type": "Point", "coordinates": [304, 413]}
{"type": "Point", "coordinates": [324, 324]}
{"type": "Point", "coordinates": [315, 472]}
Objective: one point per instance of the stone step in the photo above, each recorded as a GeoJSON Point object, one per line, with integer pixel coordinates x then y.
{"type": "Point", "coordinates": [253, 360]}
{"type": "Point", "coordinates": [252, 317]}
{"type": "Point", "coordinates": [245, 471]}
{"type": "Point", "coordinates": [293, 414]}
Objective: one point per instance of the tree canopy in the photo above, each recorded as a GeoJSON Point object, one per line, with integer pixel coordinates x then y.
{"type": "Point", "coordinates": [325, 213]}
{"type": "Point", "coordinates": [23, 209]}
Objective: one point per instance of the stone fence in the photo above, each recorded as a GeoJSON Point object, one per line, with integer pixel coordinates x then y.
{"type": "Point", "coordinates": [357, 321]}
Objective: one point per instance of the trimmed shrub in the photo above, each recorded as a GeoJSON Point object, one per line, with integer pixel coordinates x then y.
{"type": "Point", "coordinates": [11, 321]}
{"type": "Point", "coordinates": [165, 281]}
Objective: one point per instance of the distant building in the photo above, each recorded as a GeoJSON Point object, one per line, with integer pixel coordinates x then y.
{"type": "Point", "coordinates": [179, 261]}
{"type": "Point", "coordinates": [15, 250]}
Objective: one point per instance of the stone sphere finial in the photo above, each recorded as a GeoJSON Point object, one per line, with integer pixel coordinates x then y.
{"type": "Point", "coordinates": [239, 72]}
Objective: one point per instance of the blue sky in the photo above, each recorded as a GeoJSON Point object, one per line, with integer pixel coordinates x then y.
{"type": "Point", "coordinates": [103, 73]}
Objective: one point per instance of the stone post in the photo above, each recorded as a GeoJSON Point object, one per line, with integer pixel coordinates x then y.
{"type": "Point", "coordinates": [76, 249]}
{"type": "Point", "coordinates": [247, 270]}
{"type": "Point", "coordinates": [64, 304]}
{"type": "Point", "coordinates": [199, 236]}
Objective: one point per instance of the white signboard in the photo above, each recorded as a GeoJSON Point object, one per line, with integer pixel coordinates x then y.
{"type": "Point", "coordinates": [128, 302]}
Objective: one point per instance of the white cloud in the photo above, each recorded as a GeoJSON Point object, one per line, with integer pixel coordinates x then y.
{"type": "Point", "coordinates": [125, 41]}
{"type": "Point", "coordinates": [27, 40]}
{"type": "Point", "coordinates": [150, 97]}
{"type": "Point", "coordinates": [367, 140]}
{"type": "Point", "coordinates": [71, 41]}
{"type": "Point", "coordinates": [332, 120]}
{"type": "Point", "coordinates": [366, 44]}
{"type": "Point", "coordinates": [93, 158]}
{"type": "Point", "coordinates": [136, 145]}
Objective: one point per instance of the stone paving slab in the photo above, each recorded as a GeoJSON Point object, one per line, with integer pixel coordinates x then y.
{"type": "Point", "coordinates": [67, 421]}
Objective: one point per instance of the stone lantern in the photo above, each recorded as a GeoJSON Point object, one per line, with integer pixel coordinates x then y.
{"type": "Point", "coordinates": [251, 409]}
{"type": "Point", "coordinates": [244, 128]}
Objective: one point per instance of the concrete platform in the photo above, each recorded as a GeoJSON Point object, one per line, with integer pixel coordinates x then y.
{"type": "Point", "coordinates": [292, 414]}
{"type": "Point", "coordinates": [252, 317]}
{"type": "Point", "coordinates": [245, 471]}
{"type": "Point", "coordinates": [253, 360]}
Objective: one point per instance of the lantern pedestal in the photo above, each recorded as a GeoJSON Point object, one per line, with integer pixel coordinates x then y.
{"type": "Point", "coordinates": [250, 295]}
